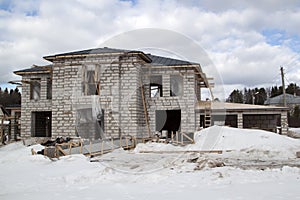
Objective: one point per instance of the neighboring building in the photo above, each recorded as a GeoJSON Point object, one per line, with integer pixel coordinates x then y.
{"type": "Point", "coordinates": [4, 124]}
{"type": "Point", "coordinates": [108, 92]}
{"type": "Point", "coordinates": [9, 121]}
{"type": "Point", "coordinates": [291, 101]}
{"type": "Point", "coordinates": [15, 115]}
{"type": "Point", "coordinates": [267, 118]}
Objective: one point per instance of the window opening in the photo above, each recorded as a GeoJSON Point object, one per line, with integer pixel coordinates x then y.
{"type": "Point", "coordinates": [49, 88]}
{"type": "Point", "coordinates": [176, 85]}
{"type": "Point", "coordinates": [156, 86]}
{"type": "Point", "coordinates": [91, 80]}
{"type": "Point", "coordinates": [35, 89]}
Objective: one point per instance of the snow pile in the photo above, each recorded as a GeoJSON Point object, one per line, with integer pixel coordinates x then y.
{"type": "Point", "coordinates": [242, 142]}
{"type": "Point", "coordinates": [245, 140]}
{"type": "Point", "coordinates": [296, 130]}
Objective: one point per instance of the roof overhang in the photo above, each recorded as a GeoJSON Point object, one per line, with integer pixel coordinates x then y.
{"type": "Point", "coordinates": [85, 55]}
{"type": "Point", "coordinates": [35, 70]}
{"type": "Point", "coordinates": [237, 107]}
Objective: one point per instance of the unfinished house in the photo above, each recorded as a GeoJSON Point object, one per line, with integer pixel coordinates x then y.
{"type": "Point", "coordinates": [105, 92]}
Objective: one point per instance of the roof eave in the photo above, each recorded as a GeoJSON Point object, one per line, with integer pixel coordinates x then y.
{"type": "Point", "coordinates": [139, 53]}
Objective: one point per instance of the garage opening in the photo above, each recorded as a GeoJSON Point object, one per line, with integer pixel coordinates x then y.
{"type": "Point", "coordinates": [41, 124]}
{"type": "Point", "coordinates": [168, 120]}
{"type": "Point", "coordinates": [266, 122]}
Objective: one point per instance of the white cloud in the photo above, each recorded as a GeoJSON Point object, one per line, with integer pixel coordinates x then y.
{"type": "Point", "coordinates": [230, 31]}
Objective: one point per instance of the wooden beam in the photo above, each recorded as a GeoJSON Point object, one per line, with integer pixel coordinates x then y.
{"type": "Point", "coordinates": [187, 151]}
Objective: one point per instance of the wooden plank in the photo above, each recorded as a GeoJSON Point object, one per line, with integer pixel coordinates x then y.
{"type": "Point", "coordinates": [187, 151]}
{"type": "Point", "coordinates": [188, 137]}
{"type": "Point", "coordinates": [145, 107]}
{"type": "Point", "coordinates": [61, 150]}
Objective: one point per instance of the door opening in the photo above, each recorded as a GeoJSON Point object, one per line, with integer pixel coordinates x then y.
{"type": "Point", "coordinates": [168, 120]}
{"type": "Point", "coordinates": [41, 124]}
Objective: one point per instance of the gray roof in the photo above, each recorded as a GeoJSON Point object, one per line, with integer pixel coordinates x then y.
{"type": "Point", "coordinates": [92, 51]}
{"type": "Point", "coordinates": [278, 100]}
{"type": "Point", "coordinates": [34, 69]}
{"type": "Point", "coordinates": [97, 51]}
{"type": "Point", "coordinates": [164, 61]}
{"type": "Point", "coordinates": [152, 59]}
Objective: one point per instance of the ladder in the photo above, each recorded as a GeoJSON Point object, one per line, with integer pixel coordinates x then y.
{"type": "Point", "coordinates": [207, 115]}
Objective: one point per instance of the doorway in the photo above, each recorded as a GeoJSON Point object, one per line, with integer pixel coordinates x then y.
{"type": "Point", "coordinates": [41, 124]}
{"type": "Point", "coordinates": [168, 120]}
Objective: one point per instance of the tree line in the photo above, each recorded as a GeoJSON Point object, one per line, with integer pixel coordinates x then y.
{"type": "Point", "coordinates": [258, 96]}
{"type": "Point", "coordinates": [10, 97]}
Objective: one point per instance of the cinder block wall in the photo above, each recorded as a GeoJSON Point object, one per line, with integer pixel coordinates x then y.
{"type": "Point", "coordinates": [120, 96]}
{"type": "Point", "coordinates": [185, 103]}
{"type": "Point", "coordinates": [30, 105]}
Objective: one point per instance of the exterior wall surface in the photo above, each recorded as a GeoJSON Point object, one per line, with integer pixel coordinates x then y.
{"type": "Point", "coordinates": [31, 105]}
{"type": "Point", "coordinates": [185, 103]}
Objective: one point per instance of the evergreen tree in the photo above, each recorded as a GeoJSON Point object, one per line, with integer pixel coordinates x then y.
{"type": "Point", "coordinates": [260, 96]}
{"type": "Point", "coordinates": [292, 88]}
{"type": "Point", "coordinates": [296, 112]}
{"type": "Point", "coordinates": [11, 97]}
{"type": "Point", "coordinates": [235, 97]}
{"type": "Point", "coordinates": [248, 96]}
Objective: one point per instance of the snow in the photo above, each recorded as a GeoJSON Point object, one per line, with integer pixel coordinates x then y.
{"type": "Point", "coordinates": [133, 175]}
{"type": "Point", "coordinates": [246, 140]}
{"type": "Point", "coordinates": [295, 130]}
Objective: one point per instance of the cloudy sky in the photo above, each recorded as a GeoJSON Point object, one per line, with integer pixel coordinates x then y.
{"type": "Point", "coordinates": [246, 41]}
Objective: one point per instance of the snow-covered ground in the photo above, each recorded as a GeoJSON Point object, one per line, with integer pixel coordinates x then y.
{"type": "Point", "coordinates": [295, 130]}
{"type": "Point", "coordinates": [258, 165]}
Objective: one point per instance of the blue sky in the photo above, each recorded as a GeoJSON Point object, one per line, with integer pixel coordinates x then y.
{"type": "Point", "coordinates": [276, 37]}
{"type": "Point", "coordinates": [247, 41]}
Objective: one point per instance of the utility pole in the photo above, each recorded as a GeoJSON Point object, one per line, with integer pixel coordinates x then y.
{"type": "Point", "coordinates": [283, 87]}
